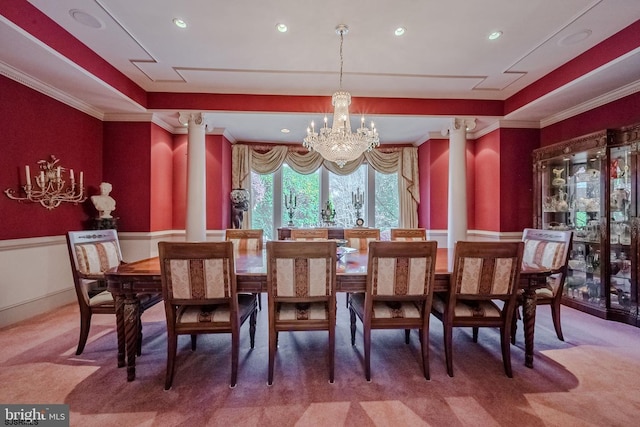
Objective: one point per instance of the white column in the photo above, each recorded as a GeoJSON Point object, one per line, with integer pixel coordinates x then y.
{"type": "Point", "coordinates": [457, 194]}
{"type": "Point", "coordinates": [196, 217]}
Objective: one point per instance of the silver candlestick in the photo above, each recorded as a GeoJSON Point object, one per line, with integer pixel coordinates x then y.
{"type": "Point", "coordinates": [357, 200]}
{"type": "Point", "coordinates": [290, 204]}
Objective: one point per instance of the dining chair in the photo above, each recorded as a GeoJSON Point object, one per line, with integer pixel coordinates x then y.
{"type": "Point", "coordinates": [200, 297]}
{"type": "Point", "coordinates": [483, 272]}
{"type": "Point", "coordinates": [91, 254]}
{"type": "Point", "coordinates": [359, 238]}
{"type": "Point", "coordinates": [400, 279]}
{"type": "Point", "coordinates": [246, 240]}
{"type": "Point", "coordinates": [301, 284]}
{"type": "Point", "coordinates": [548, 249]}
{"type": "Point", "coordinates": [408, 234]}
{"type": "Point", "coordinates": [309, 234]}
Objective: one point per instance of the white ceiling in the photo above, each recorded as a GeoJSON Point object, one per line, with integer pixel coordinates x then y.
{"type": "Point", "coordinates": [233, 47]}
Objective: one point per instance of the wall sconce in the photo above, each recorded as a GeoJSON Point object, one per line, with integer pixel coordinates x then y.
{"type": "Point", "coordinates": [50, 187]}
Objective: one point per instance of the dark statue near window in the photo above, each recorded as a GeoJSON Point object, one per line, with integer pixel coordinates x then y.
{"type": "Point", "coordinates": [239, 205]}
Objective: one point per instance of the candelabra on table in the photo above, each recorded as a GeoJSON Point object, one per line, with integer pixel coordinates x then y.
{"type": "Point", "coordinates": [291, 204]}
{"type": "Point", "coordinates": [357, 200]}
{"type": "Point", "coordinates": [328, 214]}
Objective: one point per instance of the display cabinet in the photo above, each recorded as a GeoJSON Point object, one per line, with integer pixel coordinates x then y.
{"type": "Point", "coordinates": [589, 185]}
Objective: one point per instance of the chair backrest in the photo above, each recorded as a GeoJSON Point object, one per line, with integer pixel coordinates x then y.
{"type": "Point", "coordinates": [401, 269]}
{"type": "Point", "coordinates": [486, 270]}
{"type": "Point", "coordinates": [93, 252]}
{"type": "Point", "coordinates": [309, 234]}
{"type": "Point", "coordinates": [245, 239]}
{"type": "Point", "coordinates": [408, 234]}
{"type": "Point", "coordinates": [546, 248]}
{"type": "Point", "coordinates": [359, 238]}
{"type": "Point", "coordinates": [301, 270]}
{"type": "Point", "coordinates": [197, 273]}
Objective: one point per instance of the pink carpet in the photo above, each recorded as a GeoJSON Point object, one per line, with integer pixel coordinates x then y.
{"type": "Point", "coordinates": [591, 379]}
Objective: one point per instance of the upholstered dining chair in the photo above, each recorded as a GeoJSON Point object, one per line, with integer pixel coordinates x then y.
{"type": "Point", "coordinates": [483, 272]}
{"type": "Point", "coordinates": [408, 234]}
{"type": "Point", "coordinates": [398, 296]}
{"type": "Point", "coordinates": [246, 240]}
{"type": "Point", "coordinates": [200, 297]}
{"type": "Point", "coordinates": [359, 238]}
{"type": "Point", "coordinates": [309, 234]}
{"type": "Point", "coordinates": [301, 284]}
{"type": "Point", "coordinates": [91, 254]}
{"type": "Point", "coordinates": [548, 249]}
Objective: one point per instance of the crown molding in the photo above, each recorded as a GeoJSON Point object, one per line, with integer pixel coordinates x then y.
{"type": "Point", "coordinates": [39, 86]}
{"type": "Point", "coordinates": [614, 95]}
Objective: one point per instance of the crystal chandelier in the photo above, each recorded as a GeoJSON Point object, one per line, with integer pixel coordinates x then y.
{"type": "Point", "coordinates": [337, 143]}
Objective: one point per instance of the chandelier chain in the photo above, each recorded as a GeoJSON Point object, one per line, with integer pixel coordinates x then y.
{"type": "Point", "coordinates": [341, 57]}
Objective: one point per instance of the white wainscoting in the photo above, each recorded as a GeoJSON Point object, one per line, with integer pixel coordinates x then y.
{"type": "Point", "coordinates": [36, 272]}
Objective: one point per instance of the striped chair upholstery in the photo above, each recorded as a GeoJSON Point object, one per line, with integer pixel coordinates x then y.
{"type": "Point", "coordinates": [398, 296]}
{"type": "Point", "coordinates": [245, 239]}
{"type": "Point", "coordinates": [301, 283]}
{"type": "Point", "coordinates": [96, 258]}
{"type": "Point", "coordinates": [359, 238]}
{"type": "Point", "coordinates": [483, 272]}
{"type": "Point", "coordinates": [199, 291]}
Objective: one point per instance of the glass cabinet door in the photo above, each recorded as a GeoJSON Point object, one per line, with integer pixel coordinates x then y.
{"type": "Point", "coordinates": [620, 241]}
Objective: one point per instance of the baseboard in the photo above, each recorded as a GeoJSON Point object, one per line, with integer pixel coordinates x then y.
{"type": "Point", "coordinates": [24, 310]}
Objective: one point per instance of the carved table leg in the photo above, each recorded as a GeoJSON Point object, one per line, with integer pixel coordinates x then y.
{"type": "Point", "coordinates": [119, 302]}
{"type": "Point", "coordinates": [131, 326]}
{"type": "Point", "coordinates": [529, 319]}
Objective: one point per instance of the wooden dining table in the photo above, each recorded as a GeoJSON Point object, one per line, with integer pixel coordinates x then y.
{"type": "Point", "coordinates": [127, 281]}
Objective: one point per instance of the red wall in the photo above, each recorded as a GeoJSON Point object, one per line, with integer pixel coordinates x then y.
{"type": "Point", "coordinates": [34, 127]}
{"type": "Point", "coordinates": [623, 112]}
{"type": "Point", "coordinates": [218, 181]}
{"type": "Point", "coordinates": [161, 179]}
{"type": "Point", "coordinates": [488, 184]}
{"type": "Point", "coordinates": [127, 166]}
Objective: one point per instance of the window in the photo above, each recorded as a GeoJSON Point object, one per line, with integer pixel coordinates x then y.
{"type": "Point", "coordinates": [311, 192]}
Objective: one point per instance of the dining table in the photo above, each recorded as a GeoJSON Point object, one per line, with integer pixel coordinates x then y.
{"type": "Point", "coordinates": [129, 280]}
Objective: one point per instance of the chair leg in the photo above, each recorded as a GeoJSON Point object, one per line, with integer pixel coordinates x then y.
{"type": "Point", "coordinates": [172, 346]}
{"type": "Point", "coordinates": [352, 315]}
{"type": "Point", "coordinates": [514, 325]}
{"type": "Point", "coordinates": [252, 328]}
{"type": "Point", "coordinates": [273, 342]}
{"type": "Point", "coordinates": [505, 335]}
{"type": "Point", "coordinates": [258, 295]}
{"type": "Point", "coordinates": [555, 315]}
{"type": "Point", "coordinates": [85, 325]}
{"type": "Point", "coordinates": [235, 350]}
{"type": "Point", "coordinates": [475, 333]}
{"type": "Point", "coordinates": [332, 352]}
{"type": "Point", "coordinates": [407, 333]}
{"type": "Point", "coordinates": [139, 349]}
{"type": "Point", "coordinates": [424, 341]}
{"type": "Point", "coordinates": [448, 348]}
{"type": "Point", "coordinates": [194, 340]}
{"type": "Point", "coordinates": [366, 332]}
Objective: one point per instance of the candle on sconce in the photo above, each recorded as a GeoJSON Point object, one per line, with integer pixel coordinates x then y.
{"type": "Point", "coordinates": [81, 176]}
{"type": "Point", "coordinates": [71, 177]}
{"type": "Point", "coordinates": [28, 174]}
{"type": "Point", "coordinates": [42, 179]}
{"type": "Point", "coordinates": [58, 173]}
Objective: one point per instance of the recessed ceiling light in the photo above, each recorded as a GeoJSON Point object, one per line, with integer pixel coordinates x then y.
{"type": "Point", "coordinates": [85, 19]}
{"type": "Point", "coordinates": [282, 28]}
{"type": "Point", "coordinates": [400, 31]}
{"type": "Point", "coordinates": [285, 130]}
{"type": "Point", "coordinates": [495, 35]}
{"type": "Point", "coordinates": [574, 38]}
{"type": "Point", "coordinates": [180, 23]}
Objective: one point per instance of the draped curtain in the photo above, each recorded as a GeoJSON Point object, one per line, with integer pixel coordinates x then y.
{"type": "Point", "coordinates": [403, 161]}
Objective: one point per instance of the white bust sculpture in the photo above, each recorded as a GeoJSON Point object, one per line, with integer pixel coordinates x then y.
{"type": "Point", "coordinates": [104, 203]}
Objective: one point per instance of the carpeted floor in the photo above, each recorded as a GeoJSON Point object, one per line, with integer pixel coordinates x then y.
{"type": "Point", "coordinates": [592, 379]}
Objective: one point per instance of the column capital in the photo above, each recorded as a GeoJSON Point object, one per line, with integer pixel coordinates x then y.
{"type": "Point", "coordinates": [460, 123]}
{"type": "Point", "coordinates": [190, 119]}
